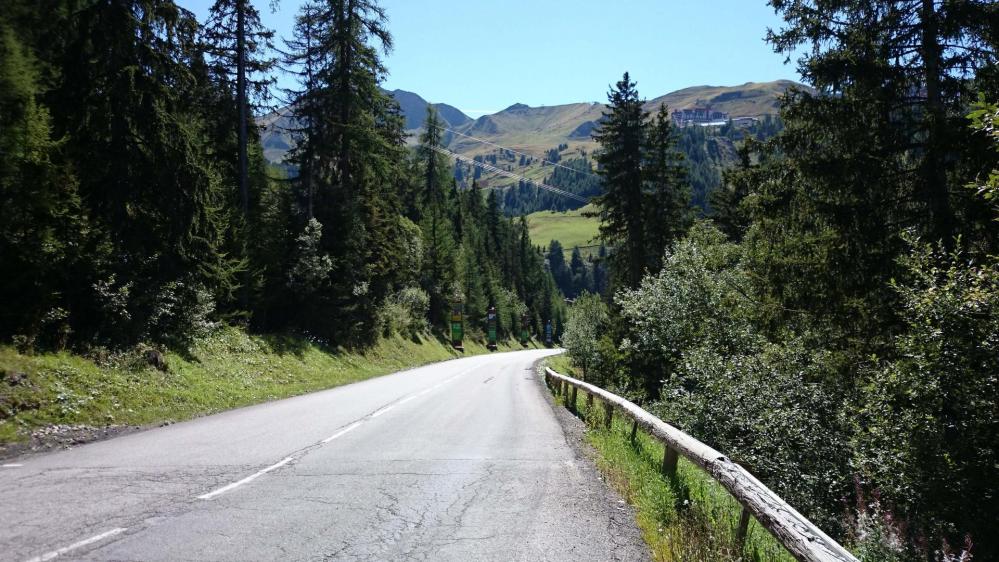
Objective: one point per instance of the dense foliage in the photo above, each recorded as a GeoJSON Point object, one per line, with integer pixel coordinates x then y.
{"type": "Point", "coordinates": [835, 328]}
{"type": "Point", "coordinates": [125, 217]}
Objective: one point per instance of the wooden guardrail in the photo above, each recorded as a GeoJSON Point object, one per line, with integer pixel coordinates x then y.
{"type": "Point", "coordinates": [800, 537]}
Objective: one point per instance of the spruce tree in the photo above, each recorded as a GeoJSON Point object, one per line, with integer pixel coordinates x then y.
{"type": "Point", "coordinates": [665, 174]}
{"type": "Point", "coordinates": [349, 156]}
{"type": "Point", "coordinates": [622, 206]}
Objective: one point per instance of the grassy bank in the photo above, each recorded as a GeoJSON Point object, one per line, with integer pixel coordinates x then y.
{"type": "Point", "coordinates": [228, 369]}
{"type": "Point", "coordinates": [689, 517]}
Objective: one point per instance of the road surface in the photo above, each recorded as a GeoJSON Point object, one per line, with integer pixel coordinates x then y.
{"type": "Point", "coordinates": [463, 460]}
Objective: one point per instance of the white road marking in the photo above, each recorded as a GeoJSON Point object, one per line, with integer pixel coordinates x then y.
{"type": "Point", "coordinates": [336, 435]}
{"type": "Point", "coordinates": [383, 410]}
{"type": "Point", "coordinates": [246, 480]}
{"type": "Point", "coordinates": [342, 432]}
{"type": "Point", "coordinates": [13, 465]}
{"type": "Point", "coordinates": [74, 546]}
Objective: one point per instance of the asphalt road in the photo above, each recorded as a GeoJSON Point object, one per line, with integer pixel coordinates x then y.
{"type": "Point", "coordinates": [464, 460]}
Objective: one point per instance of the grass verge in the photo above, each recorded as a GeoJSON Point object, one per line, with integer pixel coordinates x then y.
{"type": "Point", "coordinates": [228, 369]}
{"type": "Point", "coordinates": [687, 517]}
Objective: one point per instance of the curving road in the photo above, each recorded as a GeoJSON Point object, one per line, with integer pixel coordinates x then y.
{"type": "Point", "coordinates": [464, 460]}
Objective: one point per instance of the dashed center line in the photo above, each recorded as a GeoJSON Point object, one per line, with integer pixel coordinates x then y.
{"type": "Point", "coordinates": [342, 432]}
{"type": "Point", "coordinates": [246, 480]}
{"type": "Point", "coordinates": [12, 465]}
{"type": "Point", "coordinates": [383, 410]}
{"type": "Point", "coordinates": [76, 545]}
{"type": "Point", "coordinates": [336, 435]}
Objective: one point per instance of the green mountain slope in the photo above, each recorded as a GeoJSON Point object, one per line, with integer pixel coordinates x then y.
{"type": "Point", "coordinates": [570, 228]}
{"type": "Point", "coordinates": [752, 99]}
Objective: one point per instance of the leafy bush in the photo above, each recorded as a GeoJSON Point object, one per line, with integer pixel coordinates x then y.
{"type": "Point", "coordinates": [181, 312]}
{"type": "Point", "coordinates": [929, 438]}
{"type": "Point", "coordinates": [587, 323]}
{"type": "Point", "coordinates": [769, 410]}
{"type": "Point", "coordinates": [405, 312]}
{"type": "Point", "coordinates": [764, 403]}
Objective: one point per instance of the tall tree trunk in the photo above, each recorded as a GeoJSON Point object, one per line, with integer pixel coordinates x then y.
{"type": "Point", "coordinates": [934, 175]}
{"type": "Point", "coordinates": [244, 188]}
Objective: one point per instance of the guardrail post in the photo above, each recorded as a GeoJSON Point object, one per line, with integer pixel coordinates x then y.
{"type": "Point", "coordinates": [743, 530]}
{"type": "Point", "coordinates": [608, 414]}
{"type": "Point", "coordinates": [572, 400]}
{"type": "Point", "coordinates": [589, 403]}
{"type": "Point", "coordinates": [670, 458]}
{"type": "Point", "coordinates": [634, 424]}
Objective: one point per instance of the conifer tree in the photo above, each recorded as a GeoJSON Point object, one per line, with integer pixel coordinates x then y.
{"type": "Point", "coordinates": [40, 210]}
{"type": "Point", "coordinates": [349, 154]}
{"type": "Point", "coordinates": [622, 138]}
{"type": "Point", "coordinates": [665, 175]}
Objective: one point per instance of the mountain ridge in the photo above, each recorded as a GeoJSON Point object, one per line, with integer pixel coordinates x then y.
{"type": "Point", "coordinates": [537, 129]}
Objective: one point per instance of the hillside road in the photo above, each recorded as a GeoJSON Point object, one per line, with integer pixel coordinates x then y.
{"type": "Point", "coordinates": [463, 460]}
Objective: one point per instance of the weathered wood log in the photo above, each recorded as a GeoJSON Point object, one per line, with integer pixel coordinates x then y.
{"type": "Point", "coordinates": [800, 537]}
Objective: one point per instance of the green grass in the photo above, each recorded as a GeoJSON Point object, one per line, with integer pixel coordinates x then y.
{"type": "Point", "coordinates": [570, 228]}
{"type": "Point", "coordinates": [228, 369]}
{"type": "Point", "coordinates": [688, 517]}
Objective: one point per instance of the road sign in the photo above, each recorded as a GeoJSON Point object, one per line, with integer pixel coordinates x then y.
{"type": "Point", "coordinates": [457, 325]}
{"type": "Point", "coordinates": [491, 318]}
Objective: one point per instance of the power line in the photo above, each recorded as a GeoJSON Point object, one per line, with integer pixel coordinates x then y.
{"type": "Point", "coordinates": [510, 175]}
{"type": "Point", "coordinates": [483, 141]}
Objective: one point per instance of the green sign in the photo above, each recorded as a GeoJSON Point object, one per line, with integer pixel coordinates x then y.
{"type": "Point", "coordinates": [457, 325]}
{"type": "Point", "coordinates": [491, 317]}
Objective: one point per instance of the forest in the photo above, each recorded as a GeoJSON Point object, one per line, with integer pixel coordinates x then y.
{"type": "Point", "coordinates": [833, 324]}
{"type": "Point", "coordinates": [137, 206]}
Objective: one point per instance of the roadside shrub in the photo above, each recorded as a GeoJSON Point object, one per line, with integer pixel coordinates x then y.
{"type": "Point", "coordinates": [181, 313]}
{"type": "Point", "coordinates": [765, 403]}
{"type": "Point", "coordinates": [587, 323]}
{"type": "Point", "coordinates": [405, 312]}
{"type": "Point", "coordinates": [929, 435]}
{"type": "Point", "coordinates": [770, 410]}
{"type": "Point", "coordinates": [697, 299]}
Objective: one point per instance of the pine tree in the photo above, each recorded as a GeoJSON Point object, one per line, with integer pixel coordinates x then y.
{"type": "Point", "coordinates": [238, 48]}
{"type": "Point", "coordinates": [665, 175]}
{"type": "Point", "coordinates": [40, 210]}
{"type": "Point", "coordinates": [129, 90]}
{"type": "Point", "coordinates": [728, 211]}
{"type": "Point", "coordinates": [622, 207]}
{"type": "Point", "coordinates": [437, 217]}
{"type": "Point", "coordinates": [559, 270]}
{"type": "Point", "coordinates": [349, 156]}
{"type": "Point", "coordinates": [582, 276]}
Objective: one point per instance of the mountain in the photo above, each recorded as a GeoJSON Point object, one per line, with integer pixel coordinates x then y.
{"type": "Point", "coordinates": [563, 134]}
{"type": "Point", "coordinates": [752, 99]}
{"type": "Point", "coordinates": [277, 139]}
{"type": "Point", "coordinates": [414, 108]}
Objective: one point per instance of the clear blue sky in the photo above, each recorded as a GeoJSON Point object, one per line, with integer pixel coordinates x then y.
{"type": "Point", "coordinates": [483, 56]}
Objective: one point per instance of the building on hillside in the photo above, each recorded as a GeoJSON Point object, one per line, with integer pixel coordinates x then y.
{"type": "Point", "coordinates": [698, 116]}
